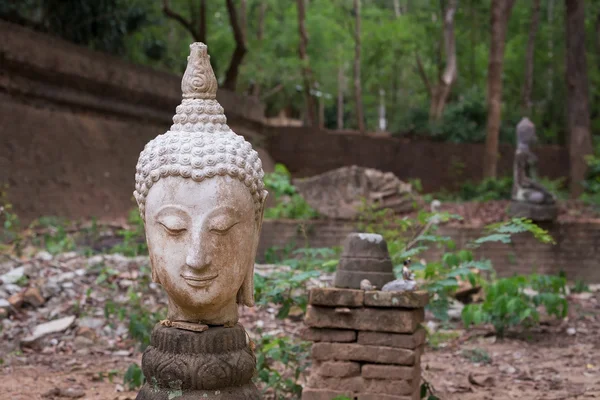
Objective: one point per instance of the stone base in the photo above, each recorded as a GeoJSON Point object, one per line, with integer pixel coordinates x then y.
{"type": "Point", "coordinates": [534, 212]}
{"type": "Point", "coordinates": [215, 364]}
{"type": "Point", "coordinates": [352, 279]}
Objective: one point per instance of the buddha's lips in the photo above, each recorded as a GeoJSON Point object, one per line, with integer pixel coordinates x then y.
{"type": "Point", "coordinates": [199, 278]}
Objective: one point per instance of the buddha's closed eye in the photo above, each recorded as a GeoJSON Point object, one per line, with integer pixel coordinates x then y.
{"type": "Point", "coordinates": [173, 225]}
{"type": "Point", "coordinates": [222, 229]}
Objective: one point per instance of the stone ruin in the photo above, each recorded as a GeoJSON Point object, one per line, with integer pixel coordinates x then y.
{"type": "Point", "coordinates": [367, 344]}
{"type": "Point", "coordinates": [339, 193]}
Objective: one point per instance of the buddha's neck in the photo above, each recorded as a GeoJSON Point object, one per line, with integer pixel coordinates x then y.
{"type": "Point", "coordinates": [226, 315]}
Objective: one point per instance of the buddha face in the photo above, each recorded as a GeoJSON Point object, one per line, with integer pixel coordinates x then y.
{"type": "Point", "coordinates": [202, 238]}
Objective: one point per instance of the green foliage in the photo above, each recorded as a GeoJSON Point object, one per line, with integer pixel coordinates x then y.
{"type": "Point", "coordinates": [11, 224]}
{"type": "Point", "coordinates": [289, 204]}
{"type": "Point", "coordinates": [592, 180]}
{"type": "Point", "coordinates": [55, 237]}
{"type": "Point", "coordinates": [287, 288]}
{"type": "Point", "coordinates": [134, 242]}
{"type": "Point", "coordinates": [477, 355]}
{"type": "Point", "coordinates": [134, 377]}
{"type": "Point", "coordinates": [280, 362]}
{"type": "Point", "coordinates": [507, 302]}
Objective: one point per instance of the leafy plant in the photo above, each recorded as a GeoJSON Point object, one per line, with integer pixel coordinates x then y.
{"type": "Point", "coordinates": [55, 237]}
{"type": "Point", "coordinates": [134, 242]}
{"type": "Point", "coordinates": [287, 287]}
{"type": "Point", "coordinates": [11, 223]}
{"type": "Point", "coordinates": [288, 203]}
{"type": "Point", "coordinates": [280, 361]}
{"type": "Point", "coordinates": [508, 303]}
{"type": "Point", "coordinates": [134, 377]}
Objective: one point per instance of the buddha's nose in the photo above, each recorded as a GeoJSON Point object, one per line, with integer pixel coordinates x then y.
{"type": "Point", "coordinates": [197, 256]}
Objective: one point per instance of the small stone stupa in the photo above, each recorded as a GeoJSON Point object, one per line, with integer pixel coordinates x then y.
{"type": "Point", "coordinates": [364, 256]}
{"type": "Point", "coordinates": [201, 196]}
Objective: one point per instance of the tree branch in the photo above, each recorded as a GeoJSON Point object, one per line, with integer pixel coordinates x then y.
{"type": "Point", "coordinates": [423, 75]}
{"type": "Point", "coordinates": [240, 48]}
{"type": "Point", "coordinates": [179, 18]}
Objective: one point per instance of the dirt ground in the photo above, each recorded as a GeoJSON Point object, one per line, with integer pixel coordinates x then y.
{"type": "Point", "coordinates": [559, 360]}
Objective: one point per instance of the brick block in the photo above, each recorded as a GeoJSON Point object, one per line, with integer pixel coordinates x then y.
{"type": "Point", "coordinates": [418, 299]}
{"type": "Point", "coordinates": [349, 384]}
{"type": "Point", "coordinates": [327, 335]}
{"type": "Point", "coordinates": [359, 384]}
{"type": "Point", "coordinates": [371, 396]}
{"type": "Point", "coordinates": [366, 319]}
{"type": "Point", "coordinates": [372, 354]}
{"type": "Point", "coordinates": [335, 297]}
{"type": "Point", "coordinates": [403, 341]}
{"type": "Point", "coordinates": [395, 372]}
{"type": "Point", "coordinates": [325, 394]}
{"type": "Point", "coordinates": [338, 369]}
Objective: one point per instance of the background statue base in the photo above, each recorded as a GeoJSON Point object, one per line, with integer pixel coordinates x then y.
{"type": "Point", "coordinates": [534, 212]}
{"type": "Point", "coordinates": [215, 364]}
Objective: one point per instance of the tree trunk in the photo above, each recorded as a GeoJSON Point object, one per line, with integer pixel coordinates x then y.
{"type": "Point", "coordinates": [240, 48]}
{"type": "Point", "coordinates": [306, 71]}
{"type": "Point", "coordinates": [357, 82]}
{"type": "Point", "coordinates": [578, 107]}
{"type": "Point", "coordinates": [440, 93]}
{"type": "Point", "coordinates": [260, 32]}
{"type": "Point", "coordinates": [529, 56]}
{"type": "Point", "coordinates": [196, 28]}
{"type": "Point", "coordinates": [499, 20]}
{"type": "Point", "coordinates": [340, 97]}
{"type": "Point", "coordinates": [397, 10]}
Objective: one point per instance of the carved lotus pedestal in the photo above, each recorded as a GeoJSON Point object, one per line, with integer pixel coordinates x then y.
{"type": "Point", "coordinates": [184, 365]}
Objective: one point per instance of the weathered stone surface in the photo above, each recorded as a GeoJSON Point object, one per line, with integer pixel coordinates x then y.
{"type": "Point", "coordinates": [403, 341]}
{"type": "Point", "coordinates": [366, 264]}
{"type": "Point", "coordinates": [12, 276]}
{"type": "Point", "coordinates": [339, 193]}
{"type": "Point", "coordinates": [366, 319]}
{"type": "Point", "coordinates": [359, 384]}
{"type": "Point", "coordinates": [327, 335]}
{"type": "Point", "coordinates": [394, 372]}
{"type": "Point", "coordinates": [376, 298]}
{"type": "Point", "coordinates": [217, 359]}
{"type": "Point", "coordinates": [335, 297]}
{"type": "Point", "coordinates": [352, 279]}
{"type": "Point", "coordinates": [339, 369]}
{"type": "Point", "coordinates": [324, 351]}
{"type": "Point", "coordinates": [365, 245]}
{"type": "Point", "coordinates": [246, 392]}
{"type": "Point", "coordinates": [535, 212]}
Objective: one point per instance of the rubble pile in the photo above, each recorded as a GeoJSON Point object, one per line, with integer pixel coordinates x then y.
{"type": "Point", "coordinates": [73, 304]}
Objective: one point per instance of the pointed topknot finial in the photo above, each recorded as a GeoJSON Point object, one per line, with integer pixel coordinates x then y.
{"type": "Point", "coordinates": [199, 81]}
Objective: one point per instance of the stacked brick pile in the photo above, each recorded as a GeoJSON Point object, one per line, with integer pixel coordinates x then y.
{"type": "Point", "coordinates": [367, 344]}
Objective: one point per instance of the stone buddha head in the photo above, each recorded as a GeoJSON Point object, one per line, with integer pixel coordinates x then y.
{"type": "Point", "coordinates": [526, 133]}
{"type": "Point", "coordinates": [201, 196]}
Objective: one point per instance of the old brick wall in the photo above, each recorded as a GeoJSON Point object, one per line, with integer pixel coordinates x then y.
{"type": "Point", "coordinates": [73, 122]}
{"type": "Point", "coordinates": [308, 152]}
{"type": "Point", "coordinates": [576, 252]}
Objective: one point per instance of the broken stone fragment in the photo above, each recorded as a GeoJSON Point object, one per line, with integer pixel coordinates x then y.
{"type": "Point", "coordinates": [55, 326]}
{"type": "Point", "coordinates": [16, 300]}
{"type": "Point", "coordinates": [33, 296]}
{"type": "Point", "coordinates": [12, 276]}
{"type": "Point", "coordinates": [400, 285]}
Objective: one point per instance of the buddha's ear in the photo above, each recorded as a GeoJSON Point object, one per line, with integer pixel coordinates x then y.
{"type": "Point", "coordinates": [246, 293]}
